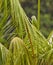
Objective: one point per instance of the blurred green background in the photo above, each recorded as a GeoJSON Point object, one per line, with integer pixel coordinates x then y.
{"type": "Point", "coordinates": [31, 8]}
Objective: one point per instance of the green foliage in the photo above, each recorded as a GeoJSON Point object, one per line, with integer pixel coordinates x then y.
{"type": "Point", "coordinates": [20, 54]}
{"type": "Point", "coordinates": [34, 21]}
{"type": "Point", "coordinates": [46, 10]}
{"type": "Point", "coordinates": [5, 55]}
{"type": "Point", "coordinates": [50, 39]}
{"type": "Point", "coordinates": [28, 45]}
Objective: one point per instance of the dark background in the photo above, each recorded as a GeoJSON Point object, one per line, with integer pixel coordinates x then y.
{"type": "Point", "coordinates": [31, 8]}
